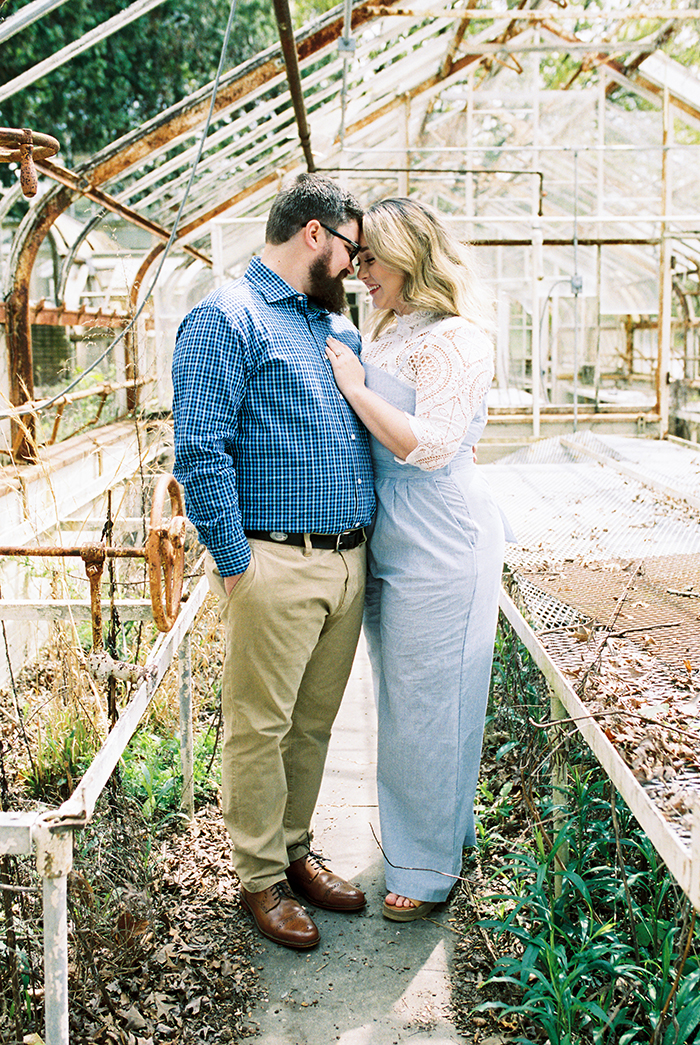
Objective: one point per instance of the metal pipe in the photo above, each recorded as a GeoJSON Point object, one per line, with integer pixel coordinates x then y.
{"type": "Point", "coordinates": [55, 896]}
{"type": "Point", "coordinates": [184, 655]}
{"type": "Point", "coordinates": [576, 286]}
{"type": "Point", "coordinates": [28, 14]}
{"type": "Point", "coordinates": [291, 61]}
{"type": "Point", "coordinates": [78, 552]}
{"type": "Point", "coordinates": [663, 366]}
{"type": "Point", "coordinates": [70, 256]}
{"type": "Point", "coordinates": [78, 183]}
{"type": "Point", "coordinates": [54, 859]}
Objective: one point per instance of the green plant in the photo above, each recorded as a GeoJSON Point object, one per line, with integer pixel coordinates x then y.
{"type": "Point", "coordinates": [600, 957]}
{"type": "Point", "coordinates": [569, 963]}
{"type": "Point", "coordinates": [64, 750]}
{"type": "Point", "coordinates": [151, 772]}
{"type": "Point", "coordinates": [492, 808]}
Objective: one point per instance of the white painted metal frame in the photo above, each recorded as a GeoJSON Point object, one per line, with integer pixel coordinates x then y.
{"type": "Point", "coordinates": [28, 14]}
{"type": "Point", "coordinates": [683, 863]}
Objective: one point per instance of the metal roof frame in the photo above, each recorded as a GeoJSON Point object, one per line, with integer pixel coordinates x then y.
{"type": "Point", "coordinates": [392, 103]}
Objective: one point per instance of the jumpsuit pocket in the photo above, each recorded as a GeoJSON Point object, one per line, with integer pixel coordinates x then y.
{"type": "Point", "coordinates": [456, 506]}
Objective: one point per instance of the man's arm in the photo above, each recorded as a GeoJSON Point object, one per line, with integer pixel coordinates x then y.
{"type": "Point", "coordinates": [208, 383]}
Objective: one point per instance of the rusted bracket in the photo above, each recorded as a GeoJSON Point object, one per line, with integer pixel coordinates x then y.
{"type": "Point", "coordinates": [93, 555]}
{"type": "Point", "coordinates": [164, 553]}
{"type": "Point", "coordinates": [24, 146]}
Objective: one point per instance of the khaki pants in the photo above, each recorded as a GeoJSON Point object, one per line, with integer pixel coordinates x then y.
{"type": "Point", "coordinates": [292, 624]}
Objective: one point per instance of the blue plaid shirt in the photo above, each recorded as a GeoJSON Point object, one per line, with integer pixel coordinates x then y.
{"type": "Point", "coordinates": [263, 438]}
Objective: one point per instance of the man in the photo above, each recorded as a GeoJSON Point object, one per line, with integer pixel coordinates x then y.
{"type": "Point", "coordinates": [278, 482]}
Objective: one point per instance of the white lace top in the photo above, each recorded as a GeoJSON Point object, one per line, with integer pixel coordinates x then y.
{"type": "Point", "coordinates": [449, 362]}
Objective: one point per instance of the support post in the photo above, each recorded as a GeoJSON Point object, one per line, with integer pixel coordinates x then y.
{"type": "Point", "coordinates": [596, 336]}
{"type": "Point", "coordinates": [560, 780]}
{"type": "Point", "coordinates": [665, 288]}
{"type": "Point", "coordinates": [405, 145]}
{"type": "Point", "coordinates": [535, 344]}
{"type": "Point", "coordinates": [694, 891]}
{"type": "Point", "coordinates": [54, 859]}
{"type": "Point", "coordinates": [184, 656]}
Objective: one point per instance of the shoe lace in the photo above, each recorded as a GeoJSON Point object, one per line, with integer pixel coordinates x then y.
{"type": "Point", "coordinates": [282, 891]}
{"type": "Point", "coordinates": [316, 861]}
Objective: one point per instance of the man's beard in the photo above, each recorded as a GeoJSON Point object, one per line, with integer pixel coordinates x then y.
{"type": "Point", "coordinates": [328, 291]}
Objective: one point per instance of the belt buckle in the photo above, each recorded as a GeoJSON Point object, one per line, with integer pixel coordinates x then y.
{"type": "Point", "coordinates": [339, 538]}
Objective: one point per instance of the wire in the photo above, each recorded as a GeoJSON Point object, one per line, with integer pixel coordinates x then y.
{"type": "Point", "coordinates": [122, 334]}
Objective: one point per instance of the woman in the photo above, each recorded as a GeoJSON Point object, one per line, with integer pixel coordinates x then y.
{"type": "Point", "coordinates": [436, 552]}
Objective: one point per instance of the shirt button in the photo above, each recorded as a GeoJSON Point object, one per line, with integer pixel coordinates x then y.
{"type": "Point", "coordinates": [359, 482]}
{"type": "Point", "coordinates": [352, 436]}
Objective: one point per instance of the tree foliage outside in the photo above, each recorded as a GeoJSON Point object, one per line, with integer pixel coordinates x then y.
{"type": "Point", "coordinates": [133, 75]}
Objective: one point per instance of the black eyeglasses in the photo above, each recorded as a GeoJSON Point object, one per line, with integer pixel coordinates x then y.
{"type": "Point", "coordinates": [354, 247]}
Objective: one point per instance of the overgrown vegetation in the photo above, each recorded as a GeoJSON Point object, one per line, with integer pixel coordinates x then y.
{"type": "Point", "coordinates": [135, 866]}
{"type": "Point", "coordinates": [585, 935]}
{"type": "Point", "coordinates": [571, 929]}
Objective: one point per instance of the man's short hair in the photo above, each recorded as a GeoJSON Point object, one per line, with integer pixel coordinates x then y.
{"type": "Point", "coordinates": [310, 196]}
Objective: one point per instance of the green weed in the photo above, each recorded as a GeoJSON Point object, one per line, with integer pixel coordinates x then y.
{"type": "Point", "coordinates": [151, 772]}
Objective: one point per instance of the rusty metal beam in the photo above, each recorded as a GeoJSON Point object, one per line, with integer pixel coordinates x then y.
{"type": "Point", "coordinates": [80, 184]}
{"type": "Point", "coordinates": [130, 338]}
{"type": "Point", "coordinates": [19, 333]}
{"type": "Point", "coordinates": [250, 190]}
{"type": "Point", "coordinates": [456, 40]}
{"type": "Point", "coordinates": [183, 119]}
{"type": "Point", "coordinates": [17, 308]}
{"type": "Point", "coordinates": [296, 91]}
{"type": "Point", "coordinates": [653, 88]}
{"type": "Point", "coordinates": [43, 315]}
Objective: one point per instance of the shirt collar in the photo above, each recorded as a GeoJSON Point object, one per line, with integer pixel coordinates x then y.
{"type": "Point", "coordinates": [275, 289]}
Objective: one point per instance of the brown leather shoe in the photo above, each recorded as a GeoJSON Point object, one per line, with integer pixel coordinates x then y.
{"type": "Point", "coordinates": [279, 916]}
{"type": "Point", "coordinates": [311, 879]}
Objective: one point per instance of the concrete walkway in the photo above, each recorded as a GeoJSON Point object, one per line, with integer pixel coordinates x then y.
{"type": "Point", "coordinates": [370, 981]}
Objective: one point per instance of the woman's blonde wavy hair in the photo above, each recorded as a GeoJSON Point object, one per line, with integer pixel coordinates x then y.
{"type": "Point", "coordinates": [439, 272]}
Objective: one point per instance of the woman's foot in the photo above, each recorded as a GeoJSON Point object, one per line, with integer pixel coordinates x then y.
{"type": "Point", "coordinates": [403, 909]}
{"type": "Point", "coordinates": [394, 900]}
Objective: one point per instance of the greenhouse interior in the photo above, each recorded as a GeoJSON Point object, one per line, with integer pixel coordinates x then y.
{"type": "Point", "coordinates": [559, 141]}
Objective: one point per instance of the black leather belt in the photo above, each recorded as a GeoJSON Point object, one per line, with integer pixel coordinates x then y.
{"type": "Point", "coordinates": [337, 542]}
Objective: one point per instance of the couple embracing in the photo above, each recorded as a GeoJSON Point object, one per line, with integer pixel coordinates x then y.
{"type": "Point", "coordinates": [294, 436]}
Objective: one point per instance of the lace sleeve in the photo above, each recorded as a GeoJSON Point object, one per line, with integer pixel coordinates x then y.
{"type": "Point", "coordinates": [452, 367]}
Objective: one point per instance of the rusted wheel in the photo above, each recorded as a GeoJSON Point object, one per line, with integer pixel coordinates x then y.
{"type": "Point", "coordinates": [23, 147]}
{"type": "Point", "coordinates": [165, 552]}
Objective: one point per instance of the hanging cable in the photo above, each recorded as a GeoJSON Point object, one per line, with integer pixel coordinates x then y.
{"type": "Point", "coordinates": [18, 411]}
